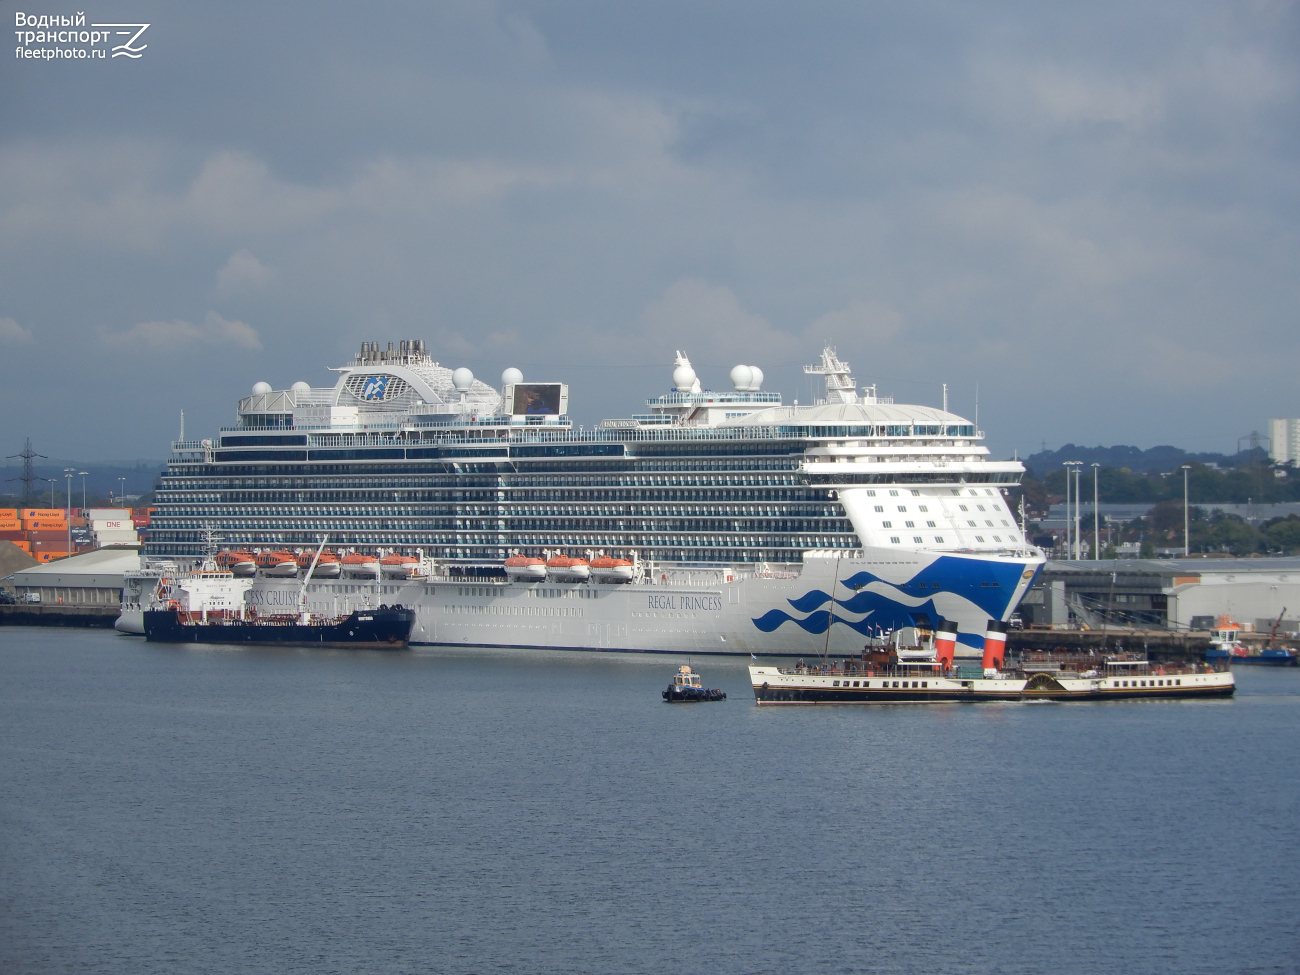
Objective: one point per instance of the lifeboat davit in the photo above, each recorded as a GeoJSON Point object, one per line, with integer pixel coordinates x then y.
{"type": "Point", "coordinates": [607, 569]}
{"type": "Point", "coordinates": [280, 565]}
{"type": "Point", "coordinates": [242, 564]}
{"type": "Point", "coordinates": [525, 568]}
{"type": "Point", "coordinates": [360, 566]}
{"type": "Point", "coordinates": [399, 566]}
{"type": "Point", "coordinates": [327, 566]}
{"type": "Point", "coordinates": [565, 569]}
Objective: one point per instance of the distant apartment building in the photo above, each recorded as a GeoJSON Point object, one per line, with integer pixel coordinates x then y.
{"type": "Point", "coordinates": [1284, 440]}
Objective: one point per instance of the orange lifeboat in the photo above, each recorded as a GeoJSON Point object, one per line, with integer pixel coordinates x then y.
{"type": "Point", "coordinates": [607, 569]}
{"type": "Point", "coordinates": [360, 566]}
{"type": "Point", "coordinates": [281, 565]}
{"type": "Point", "coordinates": [327, 566]}
{"type": "Point", "coordinates": [399, 566]}
{"type": "Point", "coordinates": [242, 564]}
{"type": "Point", "coordinates": [562, 568]}
{"type": "Point", "coordinates": [525, 568]}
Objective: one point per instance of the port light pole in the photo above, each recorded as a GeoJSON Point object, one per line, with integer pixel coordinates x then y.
{"type": "Point", "coordinates": [1187, 541]}
{"type": "Point", "coordinates": [68, 474]}
{"type": "Point", "coordinates": [1071, 515]}
{"type": "Point", "coordinates": [83, 491]}
{"type": "Point", "coordinates": [1096, 517]}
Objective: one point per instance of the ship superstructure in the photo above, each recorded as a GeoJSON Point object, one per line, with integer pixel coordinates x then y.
{"type": "Point", "coordinates": [899, 506]}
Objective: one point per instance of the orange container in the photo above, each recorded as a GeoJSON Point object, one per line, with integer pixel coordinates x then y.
{"type": "Point", "coordinates": [6, 513]}
{"type": "Point", "coordinates": [43, 526]}
{"type": "Point", "coordinates": [42, 513]}
{"type": "Point", "coordinates": [25, 546]}
{"type": "Point", "coordinates": [10, 525]}
{"type": "Point", "coordinates": [50, 556]}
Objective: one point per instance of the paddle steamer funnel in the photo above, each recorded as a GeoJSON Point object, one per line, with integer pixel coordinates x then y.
{"type": "Point", "coordinates": [995, 645]}
{"type": "Point", "coordinates": [945, 643]}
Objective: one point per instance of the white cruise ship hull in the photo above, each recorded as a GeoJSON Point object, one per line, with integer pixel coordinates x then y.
{"type": "Point", "coordinates": [684, 609]}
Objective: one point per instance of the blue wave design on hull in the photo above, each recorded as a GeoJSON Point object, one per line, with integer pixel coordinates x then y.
{"type": "Point", "coordinates": [988, 585]}
{"type": "Point", "coordinates": [810, 601]}
{"type": "Point", "coordinates": [887, 615]}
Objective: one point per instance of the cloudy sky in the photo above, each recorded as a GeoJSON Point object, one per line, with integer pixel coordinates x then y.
{"type": "Point", "coordinates": [1089, 211]}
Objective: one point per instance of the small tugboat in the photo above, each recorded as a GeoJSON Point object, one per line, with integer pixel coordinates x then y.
{"type": "Point", "coordinates": [686, 687]}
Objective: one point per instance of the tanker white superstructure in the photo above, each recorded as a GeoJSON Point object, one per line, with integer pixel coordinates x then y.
{"type": "Point", "coordinates": [742, 525]}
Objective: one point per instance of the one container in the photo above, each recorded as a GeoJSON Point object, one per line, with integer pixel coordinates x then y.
{"type": "Point", "coordinates": [100, 514]}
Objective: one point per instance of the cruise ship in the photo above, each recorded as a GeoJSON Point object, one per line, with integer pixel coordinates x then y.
{"type": "Point", "coordinates": [728, 522]}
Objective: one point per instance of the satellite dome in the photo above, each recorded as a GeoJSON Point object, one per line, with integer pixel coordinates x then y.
{"type": "Point", "coordinates": [684, 377]}
{"type": "Point", "coordinates": [261, 389]}
{"type": "Point", "coordinates": [747, 379]}
{"type": "Point", "coordinates": [462, 379]}
{"type": "Point", "coordinates": [301, 387]}
{"type": "Point", "coordinates": [511, 376]}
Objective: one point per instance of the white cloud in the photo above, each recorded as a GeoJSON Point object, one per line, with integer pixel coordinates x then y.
{"type": "Point", "coordinates": [214, 331]}
{"type": "Point", "coordinates": [860, 321]}
{"type": "Point", "coordinates": [11, 331]}
{"type": "Point", "coordinates": [242, 273]}
{"type": "Point", "coordinates": [708, 322]}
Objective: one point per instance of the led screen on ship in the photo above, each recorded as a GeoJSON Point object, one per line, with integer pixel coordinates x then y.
{"type": "Point", "coordinates": [537, 399]}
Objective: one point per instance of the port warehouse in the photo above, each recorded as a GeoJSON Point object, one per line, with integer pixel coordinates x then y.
{"type": "Point", "coordinates": [1175, 594]}
{"type": "Point", "coordinates": [90, 579]}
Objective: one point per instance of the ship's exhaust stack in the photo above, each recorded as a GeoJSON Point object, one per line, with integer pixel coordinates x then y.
{"type": "Point", "coordinates": [995, 645]}
{"type": "Point", "coordinates": [945, 643]}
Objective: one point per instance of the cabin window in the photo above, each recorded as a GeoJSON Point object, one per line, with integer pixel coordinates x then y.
{"type": "Point", "coordinates": [855, 683]}
{"type": "Point", "coordinates": [893, 494]}
{"type": "Point", "coordinates": [895, 683]}
{"type": "Point", "coordinates": [938, 539]}
{"type": "Point", "coordinates": [963, 507]}
{"type": "Point", "coordinates": [1178, 683]}
{"type": "Point", "coordinates": [895, 540]}
{"type": "Point", "coordinates": [880, 508]}
{"type": "Point", "coordinates": [980, 539]}
{"type": "Point", "coordinates": [909, 524]}
{"type": "Point", "coordinates": [925, 683]}
{"type": "Point", "coordinates": [835, 684]}
{"type": "Point", "coordinates": [902, 507]}
{"type": "Point", "coordinates": [929, 524]}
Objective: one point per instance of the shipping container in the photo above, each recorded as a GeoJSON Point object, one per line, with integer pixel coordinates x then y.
{"type": "Point", "coordinates": [95, 514]}
{"type": "Point", "coordinates": [10, 525]}
{"type": "Point", "coordinates": [48, 536]}
{"type": "Point", "coordinates": [43, 513]}
{"type": "Point", "coordinates": [112, 524]}
{"type": "Point", "coordinates": [44, 524]}
{"type": "Point", "coordinates": [25, 546]}
{"type": "Point", "coordinates": [49, 556]}
{"type": "Point", "coordinates": [7, 535]}
{"type": "Point", "coordinates": [9, 513]}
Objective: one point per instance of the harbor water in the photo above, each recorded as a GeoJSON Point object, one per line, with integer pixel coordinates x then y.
{"type": "Point", "coordinates": [250, 810]}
